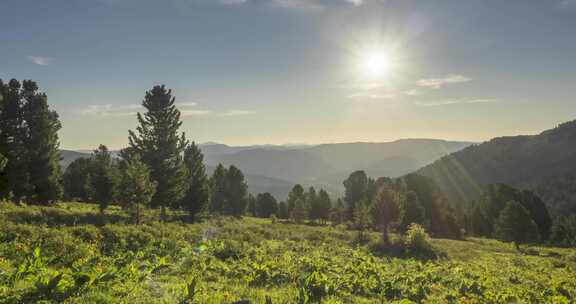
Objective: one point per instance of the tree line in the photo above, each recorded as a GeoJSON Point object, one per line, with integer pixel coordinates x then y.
{"type": "Point", "coordinates": [162, 169]}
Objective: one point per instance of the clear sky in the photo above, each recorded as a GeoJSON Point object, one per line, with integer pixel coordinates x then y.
{"type": "Point", "coordinates": [299, 71]}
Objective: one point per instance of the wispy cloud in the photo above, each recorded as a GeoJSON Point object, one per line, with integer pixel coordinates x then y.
{"type": "Point", "coordinates": [187, 109]}
{"type": "Point", "coordinates": [39, 60]}
{"type": "Point", "coordinates": [437, 83]}
{"type": "Point", "coordinates": [237, 113]}
{"type": "Point", "coordinates": [187, 113]}
{"type": "Point", "coordinates": [371, 96]}
{"type": "Point", "coordinates": [456, 101]}
{"type": "Point", "coordinates": [110, 110]}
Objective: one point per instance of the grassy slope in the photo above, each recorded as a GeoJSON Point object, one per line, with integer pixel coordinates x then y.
{"type": "Point", "coordinates": [253, 258]}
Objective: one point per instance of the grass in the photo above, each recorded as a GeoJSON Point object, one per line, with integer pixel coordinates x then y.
{"type": "Point", "coordinates": [69, 253]}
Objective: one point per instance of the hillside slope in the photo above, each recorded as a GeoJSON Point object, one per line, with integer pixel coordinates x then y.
{"type": "Point", "coordinates": [522, 161]}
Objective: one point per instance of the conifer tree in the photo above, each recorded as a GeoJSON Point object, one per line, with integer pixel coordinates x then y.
{"type": "Point", "coordinates": [297, 193]}
{"type": "Point", "coordinates": [411, 211]}
{"type": "Point", "coordinates": [160, 146]}
{"type": "Point", "coordinates": [12, 141]}
{"type": "Point", "coordinates": [356, 186]}
{"type": "Point", "coordinates": [218, 186]}
{"type": "Point", "coordinates": [312, 205]}
{"type": "Point", "coordinates": [198, 193]}
{"type": "Point", "coordinates": [299, 212]}
{"type": "Point", "coordinates": [387, 210]}
{"type": "Point", "coordinates": [514, 224]}
{"type": "Point", "coordinates": [137, 187]}
{"type": "Point", "coordinates": [103, 177]}
{"type": "Point", "coordinates": [76, 179]}
{"type": "Point", "coordinates": [324, 205]}
{"type": "Point", "coordinates": [266, 205]}
{"type": "Point", "coordinates": [42, 154]}
{"type": "Point", "coordinates": [236, 192]}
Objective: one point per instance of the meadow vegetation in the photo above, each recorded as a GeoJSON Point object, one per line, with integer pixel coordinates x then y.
{"type": "Point", "coordinates": [71, 253]}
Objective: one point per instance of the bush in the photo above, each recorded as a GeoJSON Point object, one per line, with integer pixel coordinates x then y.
{"type": "Point", "coordinates": [417, 242]}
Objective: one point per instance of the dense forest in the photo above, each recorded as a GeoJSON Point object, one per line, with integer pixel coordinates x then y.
{"type": "Point", "coordinates": [502, 189]}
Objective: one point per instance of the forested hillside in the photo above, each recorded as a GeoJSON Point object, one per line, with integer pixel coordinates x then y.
{"type": "Point", "coordinates": [534, 162]}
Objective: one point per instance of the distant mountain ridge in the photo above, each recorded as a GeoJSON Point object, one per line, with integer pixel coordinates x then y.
{"type": "Point", "coordinates": [524, 161]}
{"type": "Point", "coordinates": [277, 168]}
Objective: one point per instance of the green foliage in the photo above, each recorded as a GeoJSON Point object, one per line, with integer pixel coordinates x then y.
{"type": "Point", "coordinates": [356, 186]}
{"type": "Point", "coordinates": [160, 146]}
{"type": "Point", "coordinates": [299, 211]}
{"type": "Point", "coordinates": [103, 177]}
{"type": "Point", "coordinates": [417, 240]}
{"type": "Point", "coordinates": [297, 193]}
{"type": "Point", "coordinates": [77, 181]}
{"type": "Point", "coordinates": [253, 261]}
{"type": "Point", "coordinates": [218, 185]}
{"type": "Point", "coordinates": [266, 205]}
{"type": "Point", "coordinates": [514, 224]}
{"type": "Point", "coordinates": [137, 187]}
{"type": "Point", "coordinates": [29, 140]}
{"type": "Point", "coordinates": [198, 194]}
{"type": "Point", "coordinates": [283, 211]}
{"type": "Point", "coordinates": [564, 231]}
{"type": "Point", "coordinates": [411, 211]}
{"type": "Point", "coordinates": [236, 192]}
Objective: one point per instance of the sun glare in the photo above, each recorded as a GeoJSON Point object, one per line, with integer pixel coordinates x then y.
{"type": "Point", "coordinates": [376, 64]}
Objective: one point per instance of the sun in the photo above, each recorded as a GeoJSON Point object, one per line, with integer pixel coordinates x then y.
{"type": "Point", "coordinates": [376, 64]}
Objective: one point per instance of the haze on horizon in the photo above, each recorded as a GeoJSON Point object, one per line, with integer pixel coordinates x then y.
{"type": "Point", "coordinates": [298, 71]}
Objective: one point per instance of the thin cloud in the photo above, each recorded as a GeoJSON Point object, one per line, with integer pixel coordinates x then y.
{"type": "Point", "coordinates": [455, 102]}
{"type": "Point", "coordinates": [371, 96]}
{"type": "Point", "coordinates": [110, 110]}
{"type": "Point", "coordinates": [437, 83]}
{"type": "Point", "coordinates": [187, 113]}
{"type": "Point", "coordinates": [39, 60]}
{"type": "Point", "coordinates": [237, 113]}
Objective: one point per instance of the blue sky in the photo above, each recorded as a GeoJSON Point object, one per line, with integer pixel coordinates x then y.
{"type": "Point", "coordinates": [286, 71]}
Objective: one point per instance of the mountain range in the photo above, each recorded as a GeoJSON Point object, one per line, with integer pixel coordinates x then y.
{"type": "Point", "coordinates": [545, 162]}
{"type": "Point", "coordinates": [277, 168]}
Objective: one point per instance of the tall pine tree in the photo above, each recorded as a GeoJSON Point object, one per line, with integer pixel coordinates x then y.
{"type": "Point", "coordinates": [198, 193]}
{"type": "Point", "coordinates": [236, 192]}
{"type": "Point", "coordinates": [12, 141]}
{"type": "Point", "coordinates": [160, 146]}
{"type": "Point", "coordinates": [103, 177]}
{"type": "Point", "coordinates": [218, 186]}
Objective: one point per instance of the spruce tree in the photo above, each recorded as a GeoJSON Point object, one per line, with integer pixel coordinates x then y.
{"type": "Point", "coordinates": [338, 212]}
{"type": "Point", "coordinates": [160, 146]}
{"type": "Point", "coordinates": [218, 186]}
{"type": "Point", "coordinates": [103, 177]}
{"type": "Point", "coordinates": [266, 205]}
{"type": "Point", "coordinates": [514, 224]}
{"type": "Point", "coordinates": [411, 211]}
{"type": "Point", "coordinates": [299, 212]}
{"type": "Point", "coordinates": [297, 193]}
{"type": "Point", "coordinates": [236, 192]}
{"type": "Point", "coordinates": [75, 179]}
{"type": "Point", "coordinates": [12, 142]}
{"type": "Point", "coordinates": [324, 206]}
{"type": "Point", "coordinates": [387, 210]}
{"type": "Point", "coordinates": [137, 187]}
{"type": "Point", "coordinates": [312, 205]}
{"type": "Point", "coordinates": [42, 154]}
{"type": "Point", "coordinates": [356, 187]}
{"type": "Point", "coordinates": [198, 194]}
